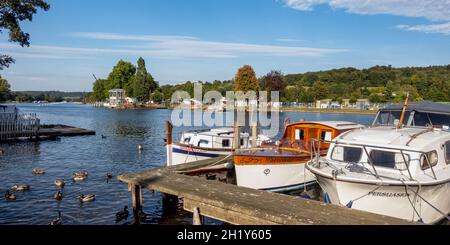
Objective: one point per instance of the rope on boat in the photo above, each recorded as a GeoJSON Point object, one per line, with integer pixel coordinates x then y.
{"type": "Point", "coordinates": [431, 205]}
{"type": "Point", "coordinates": [207, 166]}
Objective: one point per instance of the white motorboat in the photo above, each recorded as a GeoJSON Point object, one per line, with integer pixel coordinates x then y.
{"type": "Point", "coordinates": [391, 168]}
{"type": "Point", "coordinates": [205, 144]}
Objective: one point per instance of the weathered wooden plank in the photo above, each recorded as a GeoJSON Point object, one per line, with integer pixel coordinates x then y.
{"type": "Point", "coordinates": [226, 202]}
{"type": "Point", "coordinates": [223, 214]}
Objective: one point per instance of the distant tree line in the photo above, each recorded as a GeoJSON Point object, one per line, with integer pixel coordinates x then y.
{"type": "Point", "coordinates": [29, 96]}
{"type": "Point", "coordinates": [378, 84]}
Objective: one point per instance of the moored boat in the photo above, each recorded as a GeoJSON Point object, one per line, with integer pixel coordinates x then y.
{"type": "Point", "coordinates": [392, 168]}
{"type": "Point", "coordinates": [280, 167]}
{"type": "Point", "coordinates": [205, 144]}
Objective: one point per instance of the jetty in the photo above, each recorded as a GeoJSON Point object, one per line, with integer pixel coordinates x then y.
{"type": "Point", "coordinates": [237, 205]}
{"type": "Point", "coordinates": [16, 126]}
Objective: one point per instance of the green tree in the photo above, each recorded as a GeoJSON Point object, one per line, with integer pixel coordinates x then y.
{"type": "Point", "coordinates": [5, 91]}
{"type": "Point", "coordinates": [12, 12]}
{"type": "Point", "coordinates": [120, 77]}
{"type": "Point", "coordinates": [245, 80]}
{"type": "Point", "coordinates": [157, 96]}
{"type": "Point", "coordinates": [100, 91]}
{"type": "Point", "coordinates": [143, 82]}
{"type": "Point", "coordinates": [319, 90]}
{"type": "Point", "coordinates": [274, 81]}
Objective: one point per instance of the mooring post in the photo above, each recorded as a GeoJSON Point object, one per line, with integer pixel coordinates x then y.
{"type": "Point", "coordinates": [237, 137]}
{"type": "Point", "coordinates": [254, 134]}
{"type": "Point", "coordinates": [169, 127]}
{"type": "Point", "coordinates": [136, 196]}
{"type": "Point", "coordinates": [197, 218]}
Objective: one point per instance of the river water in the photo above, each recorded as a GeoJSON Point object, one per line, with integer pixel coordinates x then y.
{"type": "Point", "coordinates": [115, 153]}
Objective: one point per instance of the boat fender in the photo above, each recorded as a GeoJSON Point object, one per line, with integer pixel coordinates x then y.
{"type": "Point", "coordinates": [349, 204]}
{"type": "Point", "coordinates": [229, 165]}
{"type": "Point", "coordinates": [326, 198]}
{"type": "Point", "coordinates": [305, 195]}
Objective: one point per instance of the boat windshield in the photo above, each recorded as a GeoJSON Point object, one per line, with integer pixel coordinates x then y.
{"type": "Point", "coordinates": [415, 118]}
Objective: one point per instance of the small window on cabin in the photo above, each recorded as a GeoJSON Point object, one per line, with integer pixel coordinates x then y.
{"type": "Point", "coordinates": [242, 141]}
{"type": "Point", "coordinates": [187, 140]}
{"type": "Point", "coordinates": [447, 152]}
{"type": "Point", "coordinates": [203, 143]}
{"type": "Point", "coordinates": [299, 134]}
{"type": "Point", "coordinates": [226, 143]}
{"type": "Point", "coordinates": [383, 158]}
{"type": "Point", "coordinates": [346, 154]}
{"type": "Point", "coordinates": [325, 135]}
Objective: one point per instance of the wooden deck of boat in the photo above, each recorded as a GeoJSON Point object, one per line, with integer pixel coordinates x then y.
{"type": "Point", "coordinates": [242, 206]}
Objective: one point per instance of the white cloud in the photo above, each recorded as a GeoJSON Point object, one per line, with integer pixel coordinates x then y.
{"type": "Point", "coordinates": [432, 28]}
{"type": "Point", "coordinates": [433, 10]}
{"type": "Point", "coordinates": [290, 40]}
{"type": "Point", "coordinates": [171, 47]}
{"type": "Point", "coordinates": [429, 9]}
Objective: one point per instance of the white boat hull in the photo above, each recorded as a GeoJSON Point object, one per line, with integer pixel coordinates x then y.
{"type": "Point", "coordinates": [182, 154]}
{"type": "Point", "coordinates": [390, 200]}
{"type": "Point", "coordinates": [277, 177]}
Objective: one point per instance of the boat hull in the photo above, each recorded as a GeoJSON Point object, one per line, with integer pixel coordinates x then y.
{"type": "Point", "coordinates": [390, 200]}
{"type": "Point", "coordinates": [277, 174]}
{"type": "Point", "coordinates": [183, 154]}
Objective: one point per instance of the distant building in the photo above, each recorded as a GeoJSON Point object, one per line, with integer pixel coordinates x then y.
{"type": "Point", "coordinates": [323, 104]}
{"type": "Point", "coordinates": [116, 98]}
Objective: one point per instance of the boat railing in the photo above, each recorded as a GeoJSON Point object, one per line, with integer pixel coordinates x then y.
{"type": "Point", "coordinates": [315, 154]}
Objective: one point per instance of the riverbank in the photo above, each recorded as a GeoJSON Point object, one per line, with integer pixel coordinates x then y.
{"type": "Point", "coordinates": [330, 111]}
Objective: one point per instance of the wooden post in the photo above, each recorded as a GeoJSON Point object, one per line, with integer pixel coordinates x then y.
{"type": "Point", "coordinates": [136, 196]}
{"type": "Point", "coordinates": [254, 134]}
{"type": "Point", "coordinates": [197, 218]}
{"type": "Point", "coordinates": [169, 127]}
{"type": "Point", "coordinates": [237, 136]}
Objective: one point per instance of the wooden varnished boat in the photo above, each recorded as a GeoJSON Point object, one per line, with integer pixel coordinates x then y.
{"type": "Point", "coordinates": [280, 167]}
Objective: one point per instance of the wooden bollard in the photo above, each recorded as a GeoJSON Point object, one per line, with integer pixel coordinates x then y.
{"type": "Point", "coordinates": [237, 136]}
{"type": "Point", "coordinates": [197, 218]}
{"type": "Point", "coordinates": [254, 134]}
{"type": "Point", "coordinates": [136, 197]}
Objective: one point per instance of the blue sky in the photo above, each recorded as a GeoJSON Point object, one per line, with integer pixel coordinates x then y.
{"type": "Point", "coordinates": [205, 40]}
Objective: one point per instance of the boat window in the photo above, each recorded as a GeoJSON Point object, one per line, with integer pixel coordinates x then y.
{"type": "Point", "coordinates": [299, 134]}
{"type": "Point", "coordinates": [203, 143]}
{"type": "Point", "coordinates": [428, 159]}
{"type": "Point", "coordinates": [346, 154]}
{"type": "Point", "coordinates": [421, 119]}
{"type": "Point", "coordinates": [388, 159]}
{"type": "Point", "coordinates": [439, 120]}
{"type": "Point", "coordinates": [226, 143]}
{"type": "Point", "coordinates": [383, 158]}
{"type": "Point", "coordinates": [242, 141]}
{"type": "Point", "coordinates": [325, 135]}
{"type": "Point", "coordinates": [389, 117]}
{"type": "Point", "coordinates": [447, 152]}
{"type": "Point", "coordinates": [187, 140]}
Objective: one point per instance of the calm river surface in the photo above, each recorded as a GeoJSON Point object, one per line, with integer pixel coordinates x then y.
{"type": "Point", "coordinates": [115, 154]}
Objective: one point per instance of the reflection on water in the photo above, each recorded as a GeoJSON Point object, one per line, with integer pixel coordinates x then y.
{"type": "Point", "coordinates": [115, 153]}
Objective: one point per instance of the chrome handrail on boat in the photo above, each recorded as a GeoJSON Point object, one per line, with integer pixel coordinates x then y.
{"type": "Point", "coordinates": [365, 146]}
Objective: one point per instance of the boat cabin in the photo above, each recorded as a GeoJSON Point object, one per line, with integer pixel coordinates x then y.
{"type": "Point", "coordinates": [418, 114]}
{"type": "Point", "coordinates": [299, 135]}
{"type": "Point", "coordinates": [218, 138]}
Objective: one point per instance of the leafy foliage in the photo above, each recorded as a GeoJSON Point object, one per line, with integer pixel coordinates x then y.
{"type": "Point", "coordinates": [12, 12]}
{"type": "Point", "coordinates": [245, 79]}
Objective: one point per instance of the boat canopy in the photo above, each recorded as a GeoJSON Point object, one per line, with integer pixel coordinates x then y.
{"type": "Point", "coordinates": [421, 113]}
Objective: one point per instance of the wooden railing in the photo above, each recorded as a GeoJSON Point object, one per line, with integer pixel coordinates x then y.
{"type": "Point", "coordinates": [16, 125]}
